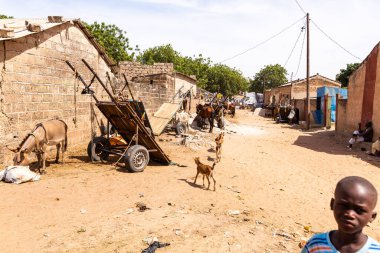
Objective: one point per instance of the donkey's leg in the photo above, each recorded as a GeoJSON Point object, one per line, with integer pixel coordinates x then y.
{"type": "Point", "coordinates": [58, 149]}
{"type": "Point", "coordinates": [211, 120]}
{"type": "Point", "coordinates": [39, 162]}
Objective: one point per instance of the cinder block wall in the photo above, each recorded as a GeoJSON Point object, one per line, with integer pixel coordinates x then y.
{"type": "Point", "coordinates": [136, 69]}
{"type": "Point", "coordinates": [153, 90]}
{"type": "Point", "coordinates": [341, 115]}
{"type": "Point", "coordinates": [36, 85]}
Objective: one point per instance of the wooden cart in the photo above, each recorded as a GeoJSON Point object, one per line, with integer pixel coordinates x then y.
{"type": "Point", "coordinates": [129, 118]}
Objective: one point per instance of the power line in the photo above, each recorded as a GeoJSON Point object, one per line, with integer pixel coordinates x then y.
{"type": "Point", "coordinates": [334, 41]}
{"type": "Point", "coordinates": [295, 44]}
{"type": "Point", "coordinates": [304, 12]}
{"type": "Point", "coordinates": [299, 61]}
{"type": "Point", "coordinates": [329, 37]}
{"type": "Point", "coordinates": [263, 42]}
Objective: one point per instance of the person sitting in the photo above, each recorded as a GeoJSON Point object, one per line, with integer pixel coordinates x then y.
{"type": "Point", "coordinates": [362, 136]}
{"type": "Point", "coordinates": [375, 148]}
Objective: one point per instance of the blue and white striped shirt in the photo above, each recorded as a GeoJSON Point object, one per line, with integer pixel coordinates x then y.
{"type": "Point", "coordinates": [320, 243]}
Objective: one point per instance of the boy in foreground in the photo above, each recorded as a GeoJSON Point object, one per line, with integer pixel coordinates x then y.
{"type": "Point", "coordinates": [353, 206]}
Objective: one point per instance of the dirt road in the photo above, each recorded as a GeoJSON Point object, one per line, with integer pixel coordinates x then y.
{"type": "Point", "coordinates": [274, 183]}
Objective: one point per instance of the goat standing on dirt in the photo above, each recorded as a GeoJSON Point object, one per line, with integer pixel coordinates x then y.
{"type": "Point", "coordinates": [49, 133]}
{"type": "Point", "coordinates": [219, 141]}
{"type": "Point", "coordinates": [205, 170]}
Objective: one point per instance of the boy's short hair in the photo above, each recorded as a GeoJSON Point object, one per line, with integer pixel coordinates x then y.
{"type": "Point", "coordinates": [361, 181]}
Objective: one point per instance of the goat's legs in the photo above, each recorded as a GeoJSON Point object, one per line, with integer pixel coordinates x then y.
{"type": "Point", "coordinates": [212, 176]}
{"type": "Point", "coordinates": [203, 180]}
{"type": "Point", "coordinates": [208, 182]}
{"type": "Point", "coordinates": [195, 180]}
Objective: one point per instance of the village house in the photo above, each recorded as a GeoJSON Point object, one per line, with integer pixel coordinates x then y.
{"type": "Point", "coordinates": [36, 84]}
{"type": "Point", "coordinates": [363, 100]}
{"type": "Point", "coordinates": [295, 93]}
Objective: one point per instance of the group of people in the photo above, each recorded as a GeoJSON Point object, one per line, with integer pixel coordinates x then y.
{"type": "Point", "coordinates": [365, 135]}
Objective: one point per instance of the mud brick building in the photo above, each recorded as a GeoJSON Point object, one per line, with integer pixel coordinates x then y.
{"type": "Point", "coordinates": [363, 102]}
{"type": "Point", "coordinates": [295, 92]}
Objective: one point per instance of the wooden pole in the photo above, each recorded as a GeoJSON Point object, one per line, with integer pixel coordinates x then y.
{"type": "Point", "coordinates": [307, 72]}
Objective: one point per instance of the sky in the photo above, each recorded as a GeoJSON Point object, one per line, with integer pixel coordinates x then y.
{"type": "Point", "coordinates": [232, 32]}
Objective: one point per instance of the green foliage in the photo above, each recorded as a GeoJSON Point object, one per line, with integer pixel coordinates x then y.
{"type": "Point", "coordinates": [113, 40]}
{"type": "Point", "coordinates": [344, 74]}
{"type": "Point", "coordinates": [268, 77]}
{"type": "Point", "coordinates": [226, 80]}
{"type": "Point", "coordinates": [220, 78]}
{"type": "Point", "coordinates": [5, 16]}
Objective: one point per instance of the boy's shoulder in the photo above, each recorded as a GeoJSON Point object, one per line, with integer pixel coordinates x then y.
{"type": "Point", "coordinates": [321, 243]}
{"type": "Point", "coordinates": [373, 245]}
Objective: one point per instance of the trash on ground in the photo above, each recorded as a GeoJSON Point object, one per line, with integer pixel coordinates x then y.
{"type": "Point", "coordinates": [233, 212]}
{"type": "Point", "coordinates": [18, 175]}
{"type": "Point", "coordinates": [141, 206]}
{"type": "Point", "coordinates": [155, 245]}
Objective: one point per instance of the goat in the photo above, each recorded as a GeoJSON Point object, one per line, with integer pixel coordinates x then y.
{"type": "Point", "coordinates": [205, 170]}
{"type": "Point", "coordinates": [219, 141]}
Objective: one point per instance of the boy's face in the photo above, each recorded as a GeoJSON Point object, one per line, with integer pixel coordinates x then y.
{"type": "Point", "coordinates": [353, 208]}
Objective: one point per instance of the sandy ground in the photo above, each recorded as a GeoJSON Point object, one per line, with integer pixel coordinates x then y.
{"type": "Point", "coordinates": [279, 179]}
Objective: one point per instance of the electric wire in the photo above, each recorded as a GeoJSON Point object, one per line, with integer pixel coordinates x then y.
{"type": "Point", "coordinates": [299, 61]}
{"type": "Point", "coordinates": [295, 44]}
{"type": "Point", "coordinates": [263, 42]}
{"type": "Point", "coordinates": [328, 36]}
{"type": "Point", "coordinates": [334, 41]}
{"type": "Point", "coordinates": [304, 12]}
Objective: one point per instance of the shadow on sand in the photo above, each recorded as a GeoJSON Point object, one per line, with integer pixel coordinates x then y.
{"type": "Point", "coordinates": [326, 141]}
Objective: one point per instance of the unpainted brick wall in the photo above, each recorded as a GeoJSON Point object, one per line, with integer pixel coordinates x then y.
{"type": "Point", "coordinates": [136, 69]}
{"type": "Point", "coordinates": [153, 90]}
{"type": "Point", "coordinates": [36, 85]}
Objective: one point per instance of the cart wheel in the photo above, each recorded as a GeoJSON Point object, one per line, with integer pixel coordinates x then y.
{"type": "Point", "coordinates": [137, 158]}
{"type": "Point", "coordinates": [180, 128]}
{"type": "Point", "coordinates": [95, 151]}
{"type": "Point", "coordinates": [277, 118]}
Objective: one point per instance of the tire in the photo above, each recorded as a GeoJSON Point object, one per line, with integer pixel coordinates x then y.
{"type": "Point", "coordinates": [180, 128]}
{"type": "Point", "coordinates": [94, 151]}
{"type": "Point", "coordinates": [277, 118]}
{"type": "Point", "coordinates": [137, 158]}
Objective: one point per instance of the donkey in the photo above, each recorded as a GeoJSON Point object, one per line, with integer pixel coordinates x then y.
{"type": "Point", "coordinates": [205, 112]}
{"type": "Point", "coordinates": [49, 133]}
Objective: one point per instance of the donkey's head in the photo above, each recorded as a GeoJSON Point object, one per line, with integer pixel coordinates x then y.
{"type": "Point", "coordinates": [20, 157]}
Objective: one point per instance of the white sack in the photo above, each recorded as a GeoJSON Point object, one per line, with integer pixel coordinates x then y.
{"type": "Point", "coordinates": [18, 174]}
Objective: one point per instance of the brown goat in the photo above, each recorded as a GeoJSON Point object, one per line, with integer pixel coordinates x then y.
{"type": "Point", "coordinates": [219, 141]}
{"type": "Point", "coordinates": [205, 170]}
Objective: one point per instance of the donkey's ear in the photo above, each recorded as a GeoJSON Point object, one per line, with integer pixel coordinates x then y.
{"type": "Point", "coordinates": [14, 150]}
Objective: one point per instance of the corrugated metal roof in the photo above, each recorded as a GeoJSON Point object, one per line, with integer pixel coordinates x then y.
{"type": "Point", "coordinates": [19, 29]}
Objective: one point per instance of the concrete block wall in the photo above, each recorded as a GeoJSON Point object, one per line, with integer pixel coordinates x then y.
{"type": "Point", "coordinates": [153, 90]}
{"type": "Point", "coordinates": [136, 69]}
{"type": "Point", "coordinates": [341, 116]}
{"type": "Point", "coordinates": [36, 84]}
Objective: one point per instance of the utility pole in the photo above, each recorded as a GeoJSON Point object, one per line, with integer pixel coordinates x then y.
{"type": "Point", "coordinates": [307, 72]}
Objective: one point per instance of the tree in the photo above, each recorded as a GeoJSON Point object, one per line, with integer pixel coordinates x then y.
{"type": "Point", "coordinates": [5, 16]}
{"type": "Point", "coordinates": [344, 74]}
{"type": "Point", "coordinates": [113, 40]}
{"type": "Point", "coordinates": [268, 77]}
{"type": "Point", "coordinates": [219, 78]}
{"type": "Point", "coordinates": [225, 80]}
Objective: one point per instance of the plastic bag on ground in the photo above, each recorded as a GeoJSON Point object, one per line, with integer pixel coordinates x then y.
{"type": "Point", "coordinates": [18, 175]}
